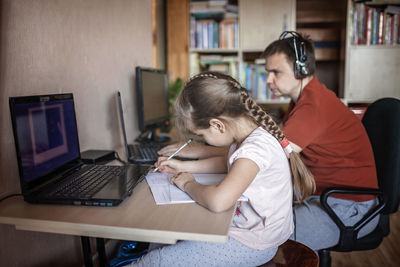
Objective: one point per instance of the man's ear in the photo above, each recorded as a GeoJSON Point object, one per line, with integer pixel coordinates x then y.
{"type": "Point", "coordinates": [217, 125]}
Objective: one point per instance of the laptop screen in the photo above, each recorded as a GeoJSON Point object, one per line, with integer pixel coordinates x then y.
{"type": "Point", "coordinates": [45, 133]}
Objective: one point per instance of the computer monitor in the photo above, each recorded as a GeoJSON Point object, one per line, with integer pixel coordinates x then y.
{"type": "Point", "coordinates": [152, 102]}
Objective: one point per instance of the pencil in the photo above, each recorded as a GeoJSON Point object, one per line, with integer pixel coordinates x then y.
{"type": "Point", "coordinates": [176, 152]}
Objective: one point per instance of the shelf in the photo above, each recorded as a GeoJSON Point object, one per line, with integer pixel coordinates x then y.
{"type": "Point", "coordinates": [318, 16]}
{"type": "Point", "coordinates": [371, 47]}
{"type": "Point", "coordinates": [326, 54]}
{"type": "Point", "coordinates": [371, 71]}
{"type": "Point", "coordinates": [213, 50]}
{"type": "Point", "coordinates": [382, 3]}
{"type": "Point", "coordinates": [352, 101]}
{"type": "Point", "coordinates": [273, 101]}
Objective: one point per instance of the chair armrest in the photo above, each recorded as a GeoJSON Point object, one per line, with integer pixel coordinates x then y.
{"type": "Point", "coordinates": [348, 234]}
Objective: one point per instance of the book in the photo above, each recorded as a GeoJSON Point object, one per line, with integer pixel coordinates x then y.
{"type": "Point", "coordinates": [361, 12]}
{"type": "Point", "coordinates": [396, 28]}
{"type": "Point", "coordinates": [374, 35]}
{"type": "Point", "coordinates": [166, 193]}
{"type": "Point", "coordinates": [194, 64]}
{"type": "Point", "coordinates": [369, 26]}
{"type": "Point", "coordinates": [374, 24]}
{"type": "Point", "coordinates": [393, 9]}
{"type": "Point", "coordinates": [380, 27]}
{"type": "Point", "coordinates": [228, 31]}
{"type": "Point", "coordinates": [215, 34]}
{"type": "Point", "coordinates": [193, 35]}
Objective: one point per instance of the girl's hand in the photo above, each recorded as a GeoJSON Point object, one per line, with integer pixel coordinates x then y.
{"type": "Point", "coordinates": [170, 149]}
{"type": "Point", "coordinates": [191, 151]}
{"type": "Point", "coordinates": [170, 166]}
{"type": "Point", "coordinates": [182, 179]}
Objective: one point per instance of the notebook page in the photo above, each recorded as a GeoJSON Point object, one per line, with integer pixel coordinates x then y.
{"type": "Point", "coordinates": [166, 193]}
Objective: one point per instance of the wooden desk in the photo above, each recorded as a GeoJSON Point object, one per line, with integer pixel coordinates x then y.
{"type": "Point", "coordinates": [136, 218]}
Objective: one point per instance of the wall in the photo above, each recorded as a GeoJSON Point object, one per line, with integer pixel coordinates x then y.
{"type": "Point", "coordinates": [89, 48]}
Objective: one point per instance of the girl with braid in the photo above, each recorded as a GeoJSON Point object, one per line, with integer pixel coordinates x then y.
{"type": "Point", "coordinates": [215, 107]}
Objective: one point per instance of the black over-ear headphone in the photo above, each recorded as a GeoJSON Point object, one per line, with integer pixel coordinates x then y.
{"type": "Point", "coordinates": [300, 66]}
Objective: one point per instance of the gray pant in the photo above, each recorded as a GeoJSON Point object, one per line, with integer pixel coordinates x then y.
{"type": "Point", "coordinates": [315, 228]}
{"type": "Point", "coordinates": [196, 253]}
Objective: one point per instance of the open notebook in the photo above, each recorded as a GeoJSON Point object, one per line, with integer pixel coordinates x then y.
{"type": "Point", "coordinates": [166, 193]}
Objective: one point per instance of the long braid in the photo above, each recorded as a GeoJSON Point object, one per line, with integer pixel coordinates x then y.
{"type": "Point", "coordinates": [303, 179]}
{"type": "Point", "coordinates": [261, 117]}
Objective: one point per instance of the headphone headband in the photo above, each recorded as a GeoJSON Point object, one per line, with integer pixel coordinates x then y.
{"type": "Point", "coordinates": [288, 34]}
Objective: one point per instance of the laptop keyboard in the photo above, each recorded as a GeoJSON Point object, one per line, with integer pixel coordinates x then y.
{"type": "Point", "coordinates": [145, 152]}
{"type": "Point", "coordinates": [87, 183]}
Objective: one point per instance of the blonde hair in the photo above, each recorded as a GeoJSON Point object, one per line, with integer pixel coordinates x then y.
{"type": "Point", "coordinates": [212, 95]}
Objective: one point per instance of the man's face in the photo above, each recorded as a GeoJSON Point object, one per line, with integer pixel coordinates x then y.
{"type": "Point", "coordinates": [281, 79]}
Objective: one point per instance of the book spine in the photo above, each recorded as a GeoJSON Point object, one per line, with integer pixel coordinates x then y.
{"type": "Point", "coordinates": [396, 28]}
{"type": "Point", "coordinates": [215, 35]}
{"type": "Point", "coordinates": [194, 64]}
{"type": "Point", "coordinates": [230, 35]}
{"type": "Point", "coordinates": [222, 36]}
{"type": "Point", "coordinates": [355, 24]}
{"type": "Point", "coordinates": [248, 78]}
{"type": "Point", "coordinates": [199, 34]}
{"type": "Point", "coordinates": [380, 27]}
{"type": "Point", "coordinates": [193, 38]}
{"type": "Point", "coordinates": [210, 34]}
{"type": "Point", "coordinates": [255, 84]}
{"type": "Point", "coordinates": [388, 29]}
{"type": "Point", "coordinates": [374, 36]}
{"type": "Point", "coordinates": [234, 69]}
{"type": "Point", "coordinates": [360, 23]}
{"type": "Point", "coordinates": [235, 35]}
{"type": "Point", "coordinates": [369, 26]}
{"type": "Point", "coordinates": [262, 86]}
{"type": "Point", "coordinates": [205, 35]}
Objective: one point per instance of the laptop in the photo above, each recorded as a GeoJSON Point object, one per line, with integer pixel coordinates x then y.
{"type": "Point", "coordinates": [50, 167]}
{"type": "Point", "coordinates": [142, 153]}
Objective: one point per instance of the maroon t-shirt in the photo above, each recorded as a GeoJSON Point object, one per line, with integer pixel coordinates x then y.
{"type": "Point", "coordinates": [335, 145]}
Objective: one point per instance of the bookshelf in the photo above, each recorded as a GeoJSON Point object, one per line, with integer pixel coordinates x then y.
{"type": "Point", "coordinates": [214, 37]}
{"type": "Point", "coordinates": [229, 36]}
{"type": "Point", "coordinates": [357, 73]}
{"type": "Point", "coordinates": [372, 61]}
{"type": "Point", "coordinates": [325, 22]}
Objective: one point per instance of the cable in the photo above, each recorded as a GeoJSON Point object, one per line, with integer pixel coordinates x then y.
{"type": "Point", "coordinates": [119, 159]}
{"type": "Point", "coordinates": [12, 195]}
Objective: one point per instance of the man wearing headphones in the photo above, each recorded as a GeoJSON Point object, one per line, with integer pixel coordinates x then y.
{"type": "Point", "coordinates": [331, 139]}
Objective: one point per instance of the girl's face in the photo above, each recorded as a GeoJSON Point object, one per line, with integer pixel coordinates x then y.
{"type": "Point", "coordinates": [215, 135]}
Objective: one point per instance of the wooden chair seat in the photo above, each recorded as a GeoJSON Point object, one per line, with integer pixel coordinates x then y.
{"type": "Point", "coordinates": [293, 254]}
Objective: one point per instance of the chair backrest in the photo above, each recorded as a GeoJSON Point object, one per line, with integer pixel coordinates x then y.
{"type": "Point", "coordinates": [382, 123]}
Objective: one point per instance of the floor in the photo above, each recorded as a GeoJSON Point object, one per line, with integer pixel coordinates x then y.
{"type": "Point", "coordinates": [387, 254]}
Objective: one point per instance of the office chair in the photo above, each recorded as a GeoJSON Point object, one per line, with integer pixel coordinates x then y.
{"type": "Point", "coordinates": [382, 123]}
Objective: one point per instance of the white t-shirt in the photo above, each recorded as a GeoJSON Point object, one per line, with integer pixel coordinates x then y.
{"type": "Point", "coordinates": [266, 219]}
